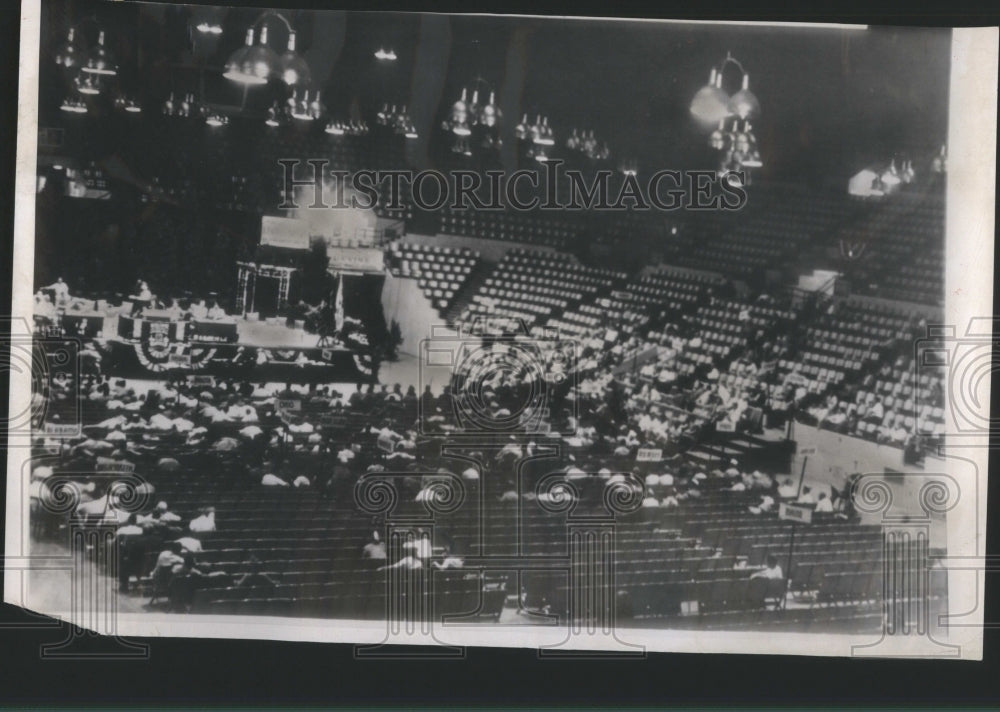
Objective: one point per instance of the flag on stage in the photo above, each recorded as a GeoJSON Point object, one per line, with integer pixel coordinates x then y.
{"type": "Point", "coordinates": [338, 309]}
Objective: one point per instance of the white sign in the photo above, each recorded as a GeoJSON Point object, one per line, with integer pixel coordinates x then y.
{"type": "Point", "coordinates": [386, 443]}
{"type": "Point", "coordinates": [71, 430]}
{"type": "Point", "coordinates": [106, 464]}
{"type": "Point", "coordinates": [807, 450]}
{"type": "Point", "coordinates": [293, 405]}
{"type": "Point", "coordinates": [649, 454]}
{"type": "Point", "coordinates": [179, 359]}
{"type": "Point", "coordinates": [795, 513]}
{"type": "Point", "coordinates": [355, 259]}
{"type": "Point", "coordinates": [284, 232]}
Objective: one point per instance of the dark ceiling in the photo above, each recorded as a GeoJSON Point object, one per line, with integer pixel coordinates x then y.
{"type": "Point", "coordinates": [832, 100]}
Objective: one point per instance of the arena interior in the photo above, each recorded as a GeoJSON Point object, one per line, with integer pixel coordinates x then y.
{"type": "Point", "coordinates": [289, 410]}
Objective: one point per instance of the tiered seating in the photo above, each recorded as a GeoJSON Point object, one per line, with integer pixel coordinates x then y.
{"type": "Point", "coordinates": [722, 325]}
{"type": "Point", "coordinates": [822, 551]}
{"type": "Point", "coordinates": [672, 290]}
{"type": "Point", "coordinates": [904, 249]}
{"type": "Point", "coordinates": [536, 286]}
{"type": "Point", "coordinates": [440, 271]}
{"type": "Point", "coordinates": [764, 235]}
{"type": "Point", "coordinates": [918, 241]}
{"type": "Point", "coordinates": [544, 230]}
{"type": "Point", "coordinates": [630, 306]}
{"type": "Point", "coordinates": [582, 321]}
{"type": "Point", "coordinates": [698, 557]}
{"type": "Point", "coordinates": [840, 346]}
{"type": "Point", "coordinates": [908, 397]}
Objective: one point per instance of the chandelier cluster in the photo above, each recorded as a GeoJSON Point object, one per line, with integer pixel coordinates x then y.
{"type": "Point", "coordinates": [629, 168]}
{"type": "Point", "coordinates": [584, 143]}
{"type": "Point", "coordinates": [256, 63]}
{"type": "Point", "coordinates": [539, 137]}
{"type": "Point", "coordinates": [98, 61]}
{"type": "Point", "coordinates": [894, 175]}
{"type": "Point", "coordinates": [188, 107]}
{"type": "Point", "coordinates": [735, 141]}
{"type": "Point", "coordinates": [474, 117]}
{"type": "Point", "coordinates": [467, 114]}
{"type": "Point", "coordinates": [91, 73]}
{"type": "Point", "coordinates": [939, 164]}
{"type": "Point", "coordinates": [733, 137]}
{"type": "Point", "coordinates": [711, 103]}
{"type": "Point", "coordinates": [349, 128]}
{"type": "Point", "coordinates": [398, 120]}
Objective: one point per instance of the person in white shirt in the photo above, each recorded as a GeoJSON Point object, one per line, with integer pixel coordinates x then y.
{"type": "Point", "coordinates": [301, 481]}
{"type": "Point", "coordinates": [113, 423]}
{"type": "Point", "coordinates": [449, 562]}
{"type": "Point", "coordinates": [898, 433]}
{"type": "Point", "coordinates": [766, 504]}
{"type": "Point", "coordinates": [162, 571]}
{"type": "Point", "coordinates": [189, 543]}
{"type": "Point", "coordinates": [61, 291]}
{"type": "Point", "coordinates": [174, 311]}
{"type": "Point", "coordinates": [787, 490]}
{"type": "Point", "coordinates": [161, 421]}
{"type": "Point", "coordinates": [807, 496]}
{"type": "Point", "coordinates": [771, 571]}
{"type": "Point", "coordinates": [510, 495]}
{"type": "Point", "coordinates": [824, 503]}
{"type": "Point", "coordinates": [270, 480]}
{"type": "Point", "coordinates": [161, 514]}
{"type": "Point", "coordinates": [407, 562]}
{"type": "Point", "coordinates": [182, 424]}
{"type": "Point", "coordinates": [374, 550]}
{"type": "Point", "coordinates": [43, 305]}
{"type": "Point", "coordinates": [420, 547]}
{"type": "Point", "coordinates": [204, 522]}
{"type": "Point", "coordinates": [198, 310]}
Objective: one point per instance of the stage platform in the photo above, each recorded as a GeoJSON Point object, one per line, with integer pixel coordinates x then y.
{"type": "Point", "coordinates": [267, 334]}
{"type": "Point", "coordinates": [273, 335]}
{"type": "Point", "coordinates": [157, 343]}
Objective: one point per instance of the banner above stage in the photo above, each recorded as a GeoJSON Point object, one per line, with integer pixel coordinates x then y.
{"type": "Point", "coordinates": [288, 233]}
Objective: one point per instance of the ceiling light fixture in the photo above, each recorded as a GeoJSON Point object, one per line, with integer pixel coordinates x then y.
{"type": "Point", "coordinates": [711, 103]}
{"type": "Point", "coordinates": [67, 55]}
{"type": "Point", "coordinates": [99, 60]}
{"type": "Point", "coordinates": [255, 64]}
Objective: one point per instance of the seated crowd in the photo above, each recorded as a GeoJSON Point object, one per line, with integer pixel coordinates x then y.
{"type": "Point", "coordinates": [259, 438]}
